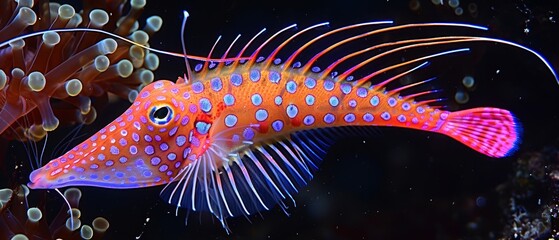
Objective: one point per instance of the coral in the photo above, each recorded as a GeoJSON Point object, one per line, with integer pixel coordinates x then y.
{"type": "Point", "coordinates": [54, 78]}
{"type": "Point", "coordinates": [533, 197]}
{"type": "Point", "coordinates": [20, 221]}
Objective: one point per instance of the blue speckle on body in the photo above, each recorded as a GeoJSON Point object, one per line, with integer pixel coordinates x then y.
{"type": "Point", "coordinates": [149, 150]}
{"type": "Point", "coordinates": [277, 125]}
{"type": "Point", "coordinates": [385, 116]}
{"type": "Point", "coordinates": [197, 87]}
{"type": "Point", "coordinates": [308, 120]}
{"type": "Point", "coordinates": [236, 79]}
{"type": "Point", "coordinates": [261, 115]}
{"type": "Point", "coordinates": [328, 85]}
{"type": "Point", "coordinates": [216, 84]}
{"type": "Point", "coordinates": [406, 106]}
{"type": "Point", "coordinates": [292, 110]}
{"type": "Point", "coordinates": [155, 161]}
{"type": "Point", "coordinates": [275, 77]}
{"type": "Point", "coordinates": [349, 118]}
{"type": "Point", "coordinates": [254, 75]}
{"type": "Point", "coordinates": [310, 83]}
{"type": "Point", "coordinates": [291, 86]}
{"type": "Point", "coordinates": [375, 101]}
{"type": "Point", "coordinates": [278, 100]}
{"type": "Point", "coordinates": [334, 101]}
{"type": "Point", "coordinates": [230, 120]}
{"type": "Point", "coordinates": [392, 102]}
{"type": "Point", "coordinates": [346, 88]}
{"type": "Point", "coordinates": [205, 105]}
{"type": "Point", "coordinates": [229, 99]}
{"type": "Point", "coordinates": [180, 140]}
{"type": "Point", "coordinates": [114, 150]}
{"type": "Point", "coordinates": [248, 134]}
{"type": "Point", "coordinates": [203, 127]}
{"type": "Point", "coordinates": [256, 99]}
{"type": "Point", "coordinates": [148, 138]}
{"type": "Point", "coordinates": [309, 99]}
{"type": "Point", "coordinates": [329, 118]}
{"type": "Point", "coordinates": [362, 92]}
{"type": "Point", "coordinates": [368, 117]}
{"type": "Point", "coordinates": [352, 103]}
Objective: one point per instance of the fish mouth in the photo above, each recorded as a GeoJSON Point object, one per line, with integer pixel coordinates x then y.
{"type": "Point", "coordinates": [38, 180]}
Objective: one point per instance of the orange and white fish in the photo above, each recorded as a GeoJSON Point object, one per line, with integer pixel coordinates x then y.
{"type": "Point", "coordinates": [240, 137]}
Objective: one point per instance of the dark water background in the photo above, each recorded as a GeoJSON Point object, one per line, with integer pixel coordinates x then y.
{"type": "Point", "coordinates": [398, 184]}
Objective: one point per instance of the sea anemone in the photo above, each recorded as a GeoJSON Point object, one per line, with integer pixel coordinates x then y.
{"type": "Point", "coordinates": [20, 221]}
{"type": "Point", "coordinates": [58, 78]}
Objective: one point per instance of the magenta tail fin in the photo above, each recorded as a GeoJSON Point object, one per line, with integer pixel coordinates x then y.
{"type": "Point", "coordinates": [492, 131]}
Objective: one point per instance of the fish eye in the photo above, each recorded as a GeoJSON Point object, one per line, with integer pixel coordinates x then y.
{"type": "Point", "coordinates": [161, 115]}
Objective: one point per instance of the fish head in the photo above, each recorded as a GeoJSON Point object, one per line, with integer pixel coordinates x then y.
{"type": "Point", "coordinates": [143, 147]}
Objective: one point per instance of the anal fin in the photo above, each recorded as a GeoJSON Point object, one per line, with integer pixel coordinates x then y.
{"type": "Point", "coordinates": [257, 179]}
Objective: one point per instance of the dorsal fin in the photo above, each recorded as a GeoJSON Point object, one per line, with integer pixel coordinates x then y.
{"type": "Point", "coordinates": [369, 53]}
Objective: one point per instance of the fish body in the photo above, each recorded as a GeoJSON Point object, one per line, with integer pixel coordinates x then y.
{"type": "Point", "coordinates": [243, 137]}
{"type": "Point", "coordinates": [231, 112]}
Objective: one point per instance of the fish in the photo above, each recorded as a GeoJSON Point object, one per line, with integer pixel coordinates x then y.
{"type": "Point", "coordinates": [236, 137]}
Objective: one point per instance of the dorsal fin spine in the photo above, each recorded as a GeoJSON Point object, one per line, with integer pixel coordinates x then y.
{"type": "Point", "coordinates": [222, 64]}
{"type": "Point", "coordinates": [236, 63]}
{"type": "Point", "coordinates": [272, 55]}
{"type": "Point", "coordinates": [205, 68]}
{"type": "Point", "coordinates": [254, 55]}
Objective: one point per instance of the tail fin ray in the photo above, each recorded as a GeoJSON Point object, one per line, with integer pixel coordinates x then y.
{"type": "Point", "coordinates": [492, 131]}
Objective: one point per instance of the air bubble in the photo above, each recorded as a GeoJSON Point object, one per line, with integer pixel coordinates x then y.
{"type": "Point", "coordinates": [461, 97]}
{"type": "Point", "coordinates": [468, 81]}
{"type": "Point", "coordinates": [458, 11]}
{"type": "Point", "coordinates": [472, 7]}
{"type": "Point", "coordinates": [453, 3]}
